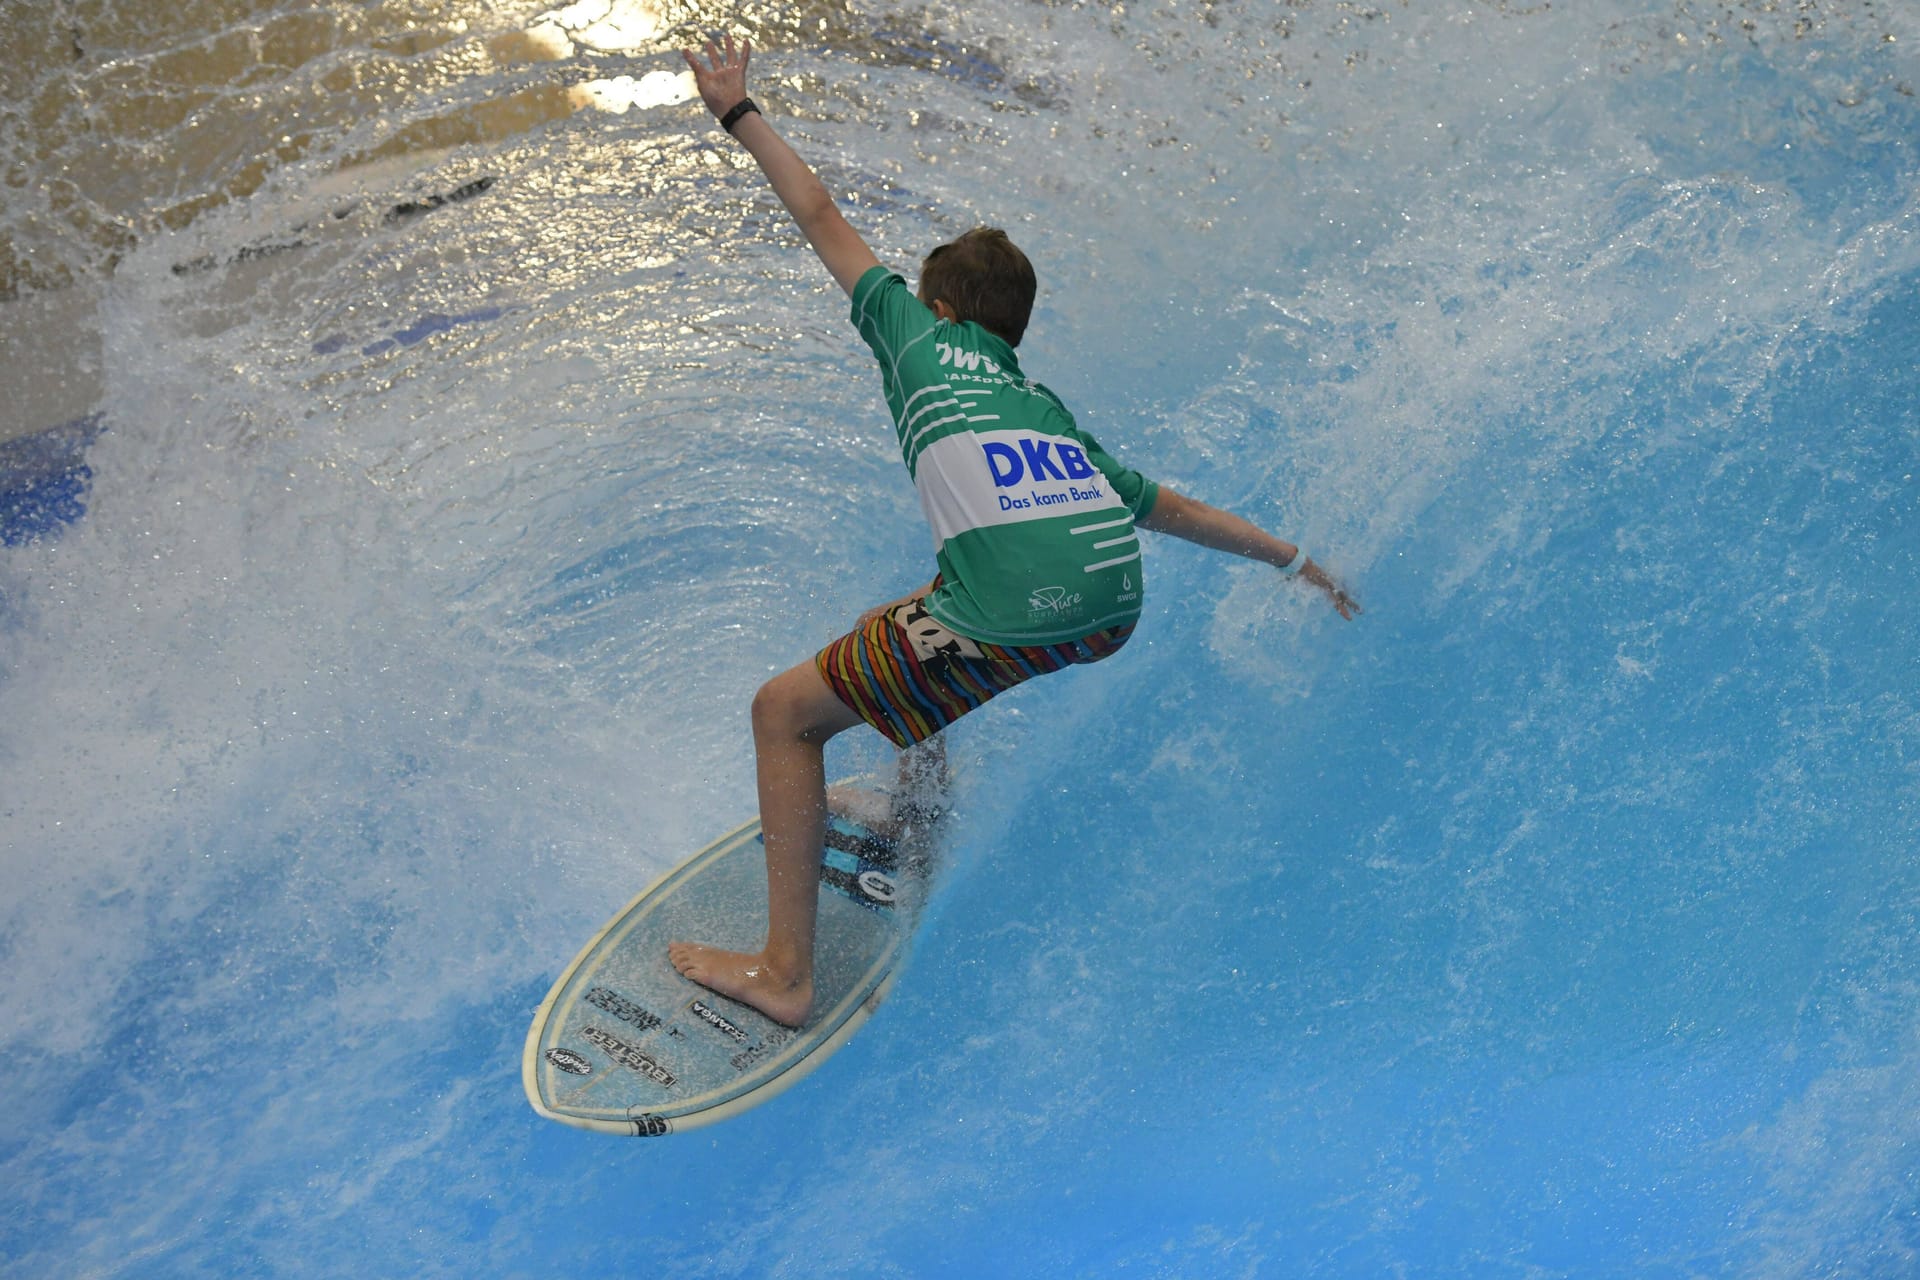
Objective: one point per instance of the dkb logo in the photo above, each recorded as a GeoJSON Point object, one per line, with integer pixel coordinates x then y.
{"type": "Point", "coordinates": [1038, 459]}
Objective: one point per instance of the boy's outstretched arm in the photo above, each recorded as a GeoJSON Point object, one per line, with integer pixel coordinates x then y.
{"type": "Point", "coordinates": [722, 79]}
{"type": "Point", "coordinates": [1195, 521]}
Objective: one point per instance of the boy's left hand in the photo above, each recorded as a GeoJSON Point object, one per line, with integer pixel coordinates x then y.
{"type": "Point", "coordinates": [722, 78]}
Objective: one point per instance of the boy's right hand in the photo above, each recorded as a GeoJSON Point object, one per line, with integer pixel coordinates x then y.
{"type": "Point", "coordinates": [1345, 605]}
{"type": "Point", "coordinates": [722, 78]}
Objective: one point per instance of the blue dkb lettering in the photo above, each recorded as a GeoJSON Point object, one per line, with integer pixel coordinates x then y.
{"type": "Point", "coordinates": [998, 454]}
{"type": "Point", "coordinates": [1040, 460]}
{"type": "Point", "coordinates": [1036, 457]}
{"type": "Point", "coordinates": [1074, 459]}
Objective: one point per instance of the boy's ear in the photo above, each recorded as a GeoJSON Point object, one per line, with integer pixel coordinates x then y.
{"type": "Point", "coordinates": [944, 309]}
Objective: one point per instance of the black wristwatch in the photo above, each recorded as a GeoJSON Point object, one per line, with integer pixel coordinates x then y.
{"type": "Point", "coordinates": [739, 109]}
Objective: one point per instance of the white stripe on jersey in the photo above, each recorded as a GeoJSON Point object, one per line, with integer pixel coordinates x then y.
{"type": "Point", "coordinates": [1108, 564]}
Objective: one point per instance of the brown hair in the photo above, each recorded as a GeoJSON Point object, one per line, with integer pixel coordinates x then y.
{"type": "Point", "coordinates": [985, 278]}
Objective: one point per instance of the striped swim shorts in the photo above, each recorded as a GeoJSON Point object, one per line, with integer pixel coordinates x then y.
{"type": "Point", "coordinates": [910, 677]}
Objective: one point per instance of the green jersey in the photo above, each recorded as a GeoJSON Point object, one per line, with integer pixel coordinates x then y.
{"type": "Point", "coordinates": [1033, 523]}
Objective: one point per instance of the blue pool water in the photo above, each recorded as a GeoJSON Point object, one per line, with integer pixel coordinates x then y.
{"type": "Point", "coordinates": [388, 613]}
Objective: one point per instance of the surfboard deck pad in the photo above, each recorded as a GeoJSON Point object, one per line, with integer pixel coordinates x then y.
{"type": "Point", "coordinates": [623, 1044]}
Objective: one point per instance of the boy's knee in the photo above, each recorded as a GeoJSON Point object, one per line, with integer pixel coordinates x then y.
{"type": "Point", "coordinates": [797, 704]}
{"type": "Point", "coordinates": [771, 707]}
{"type": "Point", "coordinates": [782, 707]}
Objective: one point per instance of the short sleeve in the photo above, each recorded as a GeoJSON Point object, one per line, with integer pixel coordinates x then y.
{"type": "Point", "coordinates": [887, 315]}
{"type": "Point", "coordinates": [1132, 488]}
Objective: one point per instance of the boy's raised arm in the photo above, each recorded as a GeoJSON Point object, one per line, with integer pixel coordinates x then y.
{"type": "Point", "coordinates": [722, 80]}
{"type": "Point", "coordinates": [1207, 526]}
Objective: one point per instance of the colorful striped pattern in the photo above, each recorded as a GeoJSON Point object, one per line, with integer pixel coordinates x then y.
{"type": "Point", "coordinates": [874, 670]}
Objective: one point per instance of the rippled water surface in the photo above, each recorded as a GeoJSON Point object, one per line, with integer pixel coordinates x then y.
{"type": "Point", "coordinates": [463, 435]}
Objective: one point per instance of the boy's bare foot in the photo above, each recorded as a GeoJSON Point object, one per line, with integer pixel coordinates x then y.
{"type": "Point", "coordinates": [747, 977]}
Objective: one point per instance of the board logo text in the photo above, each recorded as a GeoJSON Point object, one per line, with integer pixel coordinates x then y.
{"type": "Point", "coordinates": [574, 1064]}
{"type": "Point", "coordinates": [629, 1057]}
{"type": "Point", "coordinates": [622, 1008]}
{"type": "Point", "coordinates": [718, 1023]}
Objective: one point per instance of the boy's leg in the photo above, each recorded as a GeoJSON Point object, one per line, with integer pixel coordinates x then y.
{"type": "Point", "coordinates": [793, 716]}
{"type": "Point", "coordinates": [918, 792]}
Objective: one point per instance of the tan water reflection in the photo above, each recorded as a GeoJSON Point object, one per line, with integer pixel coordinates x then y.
{"type": "Point", "coordinates": [118, 124]}
{"type": "Point", "coordinates": [118, 121]}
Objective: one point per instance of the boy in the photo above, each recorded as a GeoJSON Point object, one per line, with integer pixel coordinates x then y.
{"type": "Point", "coordinates": [1033, 522]}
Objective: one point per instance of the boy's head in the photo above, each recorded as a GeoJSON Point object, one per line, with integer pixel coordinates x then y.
{"type": "Point", "coordinates": [985, 278]}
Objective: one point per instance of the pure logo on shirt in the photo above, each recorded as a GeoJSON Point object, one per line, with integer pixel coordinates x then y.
{"type": "Point", "coordinates": [1053, 600]}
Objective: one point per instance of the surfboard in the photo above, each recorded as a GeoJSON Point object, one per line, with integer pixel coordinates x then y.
{"type": "Point", "coordinates": [623, 1044]}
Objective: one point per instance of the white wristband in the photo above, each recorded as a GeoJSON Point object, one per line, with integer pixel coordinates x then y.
{"type": "Point", "coordinates": [1292, 567]}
